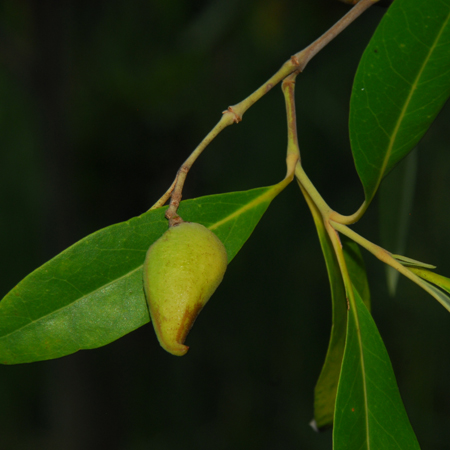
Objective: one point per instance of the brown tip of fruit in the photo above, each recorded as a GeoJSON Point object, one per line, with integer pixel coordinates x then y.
{"type": "Point", "coordinates": [178, 349]}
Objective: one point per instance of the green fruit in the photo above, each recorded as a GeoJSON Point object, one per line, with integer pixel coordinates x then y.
{"type": "Point", "coordinates": [182, 270]}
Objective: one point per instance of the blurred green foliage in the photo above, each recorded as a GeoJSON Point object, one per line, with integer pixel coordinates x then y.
{"type": "Point", "coordinates": [100, 102]}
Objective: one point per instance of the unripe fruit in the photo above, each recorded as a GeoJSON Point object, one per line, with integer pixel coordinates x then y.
{"type": "Point", "coordinates": [182, 270]}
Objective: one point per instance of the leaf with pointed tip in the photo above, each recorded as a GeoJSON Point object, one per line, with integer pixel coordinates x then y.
{"type": "Point", "coordinates": [91, 294]}
{"type": "Point", "coordinates": [401, 84]}
{"type": "Point", "coordinates": [369, 411]}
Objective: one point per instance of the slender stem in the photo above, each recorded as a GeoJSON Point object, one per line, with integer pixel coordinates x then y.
{"type": "Point", "coordinates": [335, 241]}
{"type": "Point", "coordinates": [352, 2]}
{"type": "Point", "coordinates": [370, 246]}
{"type": "Point", "coordinates": [382, 254]}
{"type": "Point", "coordinates": [299, 61]}
{"type": "Point", "coordinates": [166, 196]}
{"type": "Point", "coordinates": [321, 211]}
{"type": "Point", "coordinates": [387, 257]}
{"type": "Point", "coordinates": [353, 218]}
{"type": "Point", "coordinates": [171, 213]}
{"type": "Point", "coordinates": [326, 211]}
{"type": "Point", "coordinates": [309, 52]}
{"type": "Point", "coordinates": [334, 237]}
{"type": "Point", "coordinates": [293, 156]}
{"type": "Point", "coordinates": [234, 113]}
{"type": "Point", "coordinates": [319, 208]}
{"type": "Point", "coordinates": [288, 88]}
{"type": "Point", "coordinates": [303, 179]}
{"type": "Point", "coordinates": [293, 149]}
{"type": "Point", "coordinates": [306, 55]}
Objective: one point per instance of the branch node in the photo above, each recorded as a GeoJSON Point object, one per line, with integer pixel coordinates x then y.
{"type": "Point", "coordinates": [237, 117]}
{"type": "Point", "coordinates": [288, 81]}
{"type": "Point", "coordinates": [184, 169]}
{"type": "Point", "coordinates": [295, 61]}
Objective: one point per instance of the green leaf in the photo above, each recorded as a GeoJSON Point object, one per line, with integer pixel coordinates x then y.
{"type": "Point", "coordinates": [326, 387]}
{"type": "Point", "coordinates": [369, 410]}
{"type": "Point", "coordinates": [91, 294]}
{"type": "Point", "coordinates": [402, 82]}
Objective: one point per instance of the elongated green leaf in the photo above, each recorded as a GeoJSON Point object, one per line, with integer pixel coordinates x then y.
{"type": "Point", "coordinates": [369, 410]}
{"type": "Point", "coordinates": [326, 387]}
{"type": "Point", "coordinates": [402, 82]}
{"type": "Point", "coordinates": [91, 294]}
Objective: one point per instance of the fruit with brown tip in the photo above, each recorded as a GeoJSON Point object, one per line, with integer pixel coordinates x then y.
{"type": "Point", "coordinates": [182, 270]}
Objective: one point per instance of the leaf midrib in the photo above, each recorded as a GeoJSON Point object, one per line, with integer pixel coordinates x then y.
{"type": "Point", "coordinates": [363, 373]}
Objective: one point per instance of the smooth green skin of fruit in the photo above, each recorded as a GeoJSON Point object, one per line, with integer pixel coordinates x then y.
{"type": "Point", "coordinates": [182, 270]}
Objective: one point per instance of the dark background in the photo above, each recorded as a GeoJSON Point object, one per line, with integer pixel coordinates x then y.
{"type": "Point", "coordinates": [100, 102]}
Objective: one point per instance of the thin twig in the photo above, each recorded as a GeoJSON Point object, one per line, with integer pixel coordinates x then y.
{"type": "Point", "coordinates": [383, 255]}
{"type": "Point", "coordinates": [298, 62]}
{"type": "Point", "coordinates": [293, 149]}
{"type": "Point", "coordinates": [166, 196]}
{"type": "Point", "coordinates": [171, 213]}
{"type": "Point", "coordinates": [234, 113]}
{"type": "Point", "coordinates": [309, 52]}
